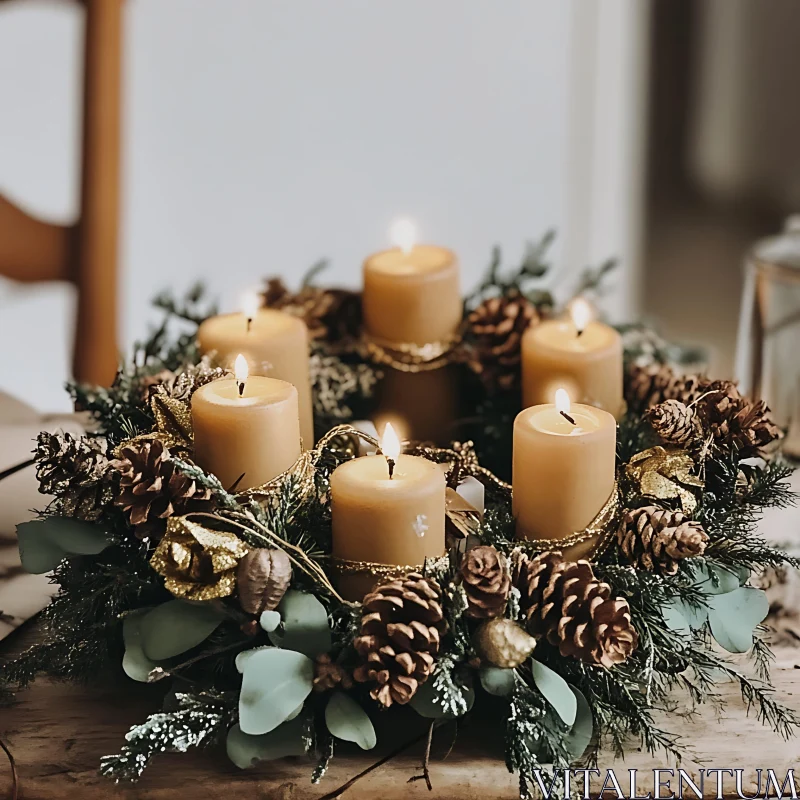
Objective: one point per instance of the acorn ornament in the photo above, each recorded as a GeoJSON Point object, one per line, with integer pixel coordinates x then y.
{"type": "Point", "coordinates": [503, 643]}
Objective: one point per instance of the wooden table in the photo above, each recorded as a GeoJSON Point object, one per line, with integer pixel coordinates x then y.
{"type": "Point", "coordinates": [58, 732]}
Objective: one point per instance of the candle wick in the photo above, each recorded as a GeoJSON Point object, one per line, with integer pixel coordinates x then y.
{"type": "Point", "coordinates": [240, 384]}
{"type": "Point", "coordinates": [580, 331]}
{"type": "Point", "coordinates": [390, 462]}
{"type": "Point", "coordinates": [250, 324]}
{"type": "Point", "coordinates": [567, 417]}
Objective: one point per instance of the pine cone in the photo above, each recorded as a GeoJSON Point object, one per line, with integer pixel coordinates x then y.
{"type": "Point", "coordinates": [401, 628]}
{"type": "Point", "coordinates": [564, 603]}
{"type": "Point", "coordinates": [486, 581]}
{"type": "Point", "coordinates": [76, 471]}
{"type": "Point", "coordinates": [329, 675]}
{"type": "Point", "coordinates": [675, 422]}
{"type": "Point", "coordinates": [647, 386]}
{"type": "Point", "coordinates": [152, 490]}
{"type": "Point", "coordinates": [656, 539]}
{"type": "Point", "coordinates": [495, 328]}
{"type": "Point", "coordinates": [333, 315]}
{"type": "Point", "coordinates": [736, 421]}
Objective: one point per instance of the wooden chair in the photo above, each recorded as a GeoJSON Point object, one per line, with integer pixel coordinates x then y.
{"type": "Point", "coordinates": [85, 254]}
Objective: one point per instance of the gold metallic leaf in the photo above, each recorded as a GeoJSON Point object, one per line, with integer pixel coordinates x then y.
{"type": "Point", "coordinates": [665, 475]}
{"type": "Point", "coordinates": [197, 563]}
{"type": "Point", "coordinates": [173, 418]}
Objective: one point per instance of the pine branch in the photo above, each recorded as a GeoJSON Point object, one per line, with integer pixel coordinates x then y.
{"type": "Point", "coordinates": [199, 721]}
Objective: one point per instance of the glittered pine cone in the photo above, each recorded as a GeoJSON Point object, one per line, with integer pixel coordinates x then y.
{"type": "Point", "coordinates": [76, 471]}
{"type": "Point", "coordinates": [656, 539]}
{"type": "Point", "coordinates": [333, 315]}
{"type": "Point", "coordinates": [564, 603]}
{"type": "Point", "coordinates": [647, 386]}
{"type": "Point", "coordinates": [675, 422]}
{"type": "Point", "coordinates": [495, 330]}
{"type": "Point", "coordinates": [736, 421]}
{"type": "Point", "coordinates": [486, 581]}
{"type": "Point", "coordinates": [398, 642]}
{"type": "Point", "coordinates": [152, 489]}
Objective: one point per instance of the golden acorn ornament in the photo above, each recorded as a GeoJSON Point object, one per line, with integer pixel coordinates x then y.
{"type": "Point", "coordinates": [503, 643]}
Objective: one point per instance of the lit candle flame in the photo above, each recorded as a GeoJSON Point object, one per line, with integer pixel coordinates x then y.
{"type": "Point", "coordinates": [403, 234]}
{"type": "Point", "coordinates": [581, 313]}
{"type": "Point", "coordinates": [241, 371]}
{"type": "Point", "coordinates": [563, 405]}
{"type": "Point", "coordinates": [250, 305]}
{"type": "Point", "coordinates": [390, 443]}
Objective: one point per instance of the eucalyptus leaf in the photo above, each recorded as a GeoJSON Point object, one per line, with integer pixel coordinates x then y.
{"type": "Point", "coordinates": [497, 681]}
{"type": "Point", "coordinates": [715, 579]}
{"type": "Point", "coordinates": [269, 620]}
{"type": "Point", "coordinates": [427, 702]}
{"type": "Point", "coordinates": [580, 735]}
{"type": "Point", "coordinates": [556, 691]}
{"type": "Point", "coordinates": [734, 616]}
{"type": "Point", "coordinates": [305, 625]}
{"type": "Point", "coordinates": [177, 626]}
{"type": "Point", "coordinates": [274, 683]}
{"type": "Point", "coordinates": [246, 750]}
{"type": "Point", "coordinates": [43, 543]}
{"type": "Point", "coordinates": [135, 663]}
{"type": "Point", "coordinates": [347, 720]}
{"type": "Point", "coordinates": [675, 619]}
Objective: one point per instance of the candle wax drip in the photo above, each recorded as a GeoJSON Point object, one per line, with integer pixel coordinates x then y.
{"type": "Point", "coordinates": [567, 417]}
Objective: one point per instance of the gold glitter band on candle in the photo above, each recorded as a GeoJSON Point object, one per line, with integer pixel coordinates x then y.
{"type": "Point", "coordinates": [407, 357]}
{"type": "Point", "coordinates": [346, 567]}
{"type": "Point", "coordinates": [603, 526]}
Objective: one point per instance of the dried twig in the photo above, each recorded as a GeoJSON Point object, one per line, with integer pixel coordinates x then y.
{"type": "Point", "coordinates": [337, 793]}
{"type": "Point", "coordinates": [7, 473]}
{"type": "Point", "coordinates": [14, 776]}
{"type": "Point", "coordinates": [426, 761]}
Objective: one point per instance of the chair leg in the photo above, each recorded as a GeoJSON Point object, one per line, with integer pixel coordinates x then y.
{"type": "Point", "coordinates": [95, 265]}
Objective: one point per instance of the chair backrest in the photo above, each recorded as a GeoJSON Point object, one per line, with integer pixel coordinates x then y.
{"type": "Point", "coordinates": [84, 254]}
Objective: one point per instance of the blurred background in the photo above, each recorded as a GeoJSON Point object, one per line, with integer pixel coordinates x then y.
{"type": "Point", "coordinates": [257, 137]}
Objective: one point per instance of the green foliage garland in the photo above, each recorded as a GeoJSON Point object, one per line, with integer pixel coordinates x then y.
{"type": "Point", "coordinates": [105, 605]}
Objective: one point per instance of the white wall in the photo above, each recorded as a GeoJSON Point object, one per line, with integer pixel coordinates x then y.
{"type": "Point", "coordinates": [261, 136]}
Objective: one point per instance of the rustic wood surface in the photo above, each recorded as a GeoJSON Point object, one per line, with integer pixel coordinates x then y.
{"type": "Point", "coordinates": [58, 732]}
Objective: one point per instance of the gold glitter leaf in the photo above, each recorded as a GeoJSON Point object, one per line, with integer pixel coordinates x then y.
{"type": "Point", "coordinates": [665, 475]}
{"type": "Point", "coordinates": [197, 563]}
{"type": "Point", "coordinates": [173, 418]}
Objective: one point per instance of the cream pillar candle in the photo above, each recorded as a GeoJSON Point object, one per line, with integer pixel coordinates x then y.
{"type": "Point", "coordinates": [255, 432]}
{"type": "Point", "coordinates": [583, 357]}
{"type": "Point", "coordinates": [396, 520]}
{"type": "Point", "coordinates": [275, 345]}
{"type": "Point", "coordinates": [411, 292]}
{"type": "Point", "coordinates": [563, 470]}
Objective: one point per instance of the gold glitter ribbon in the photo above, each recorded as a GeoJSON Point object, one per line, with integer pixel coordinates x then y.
{"type": "Point", "coordinates": [409, 357]}
{"type": "Point", "coordinates": [344, 566]}
{"type": "Point", "coordinates": [602, 528]}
